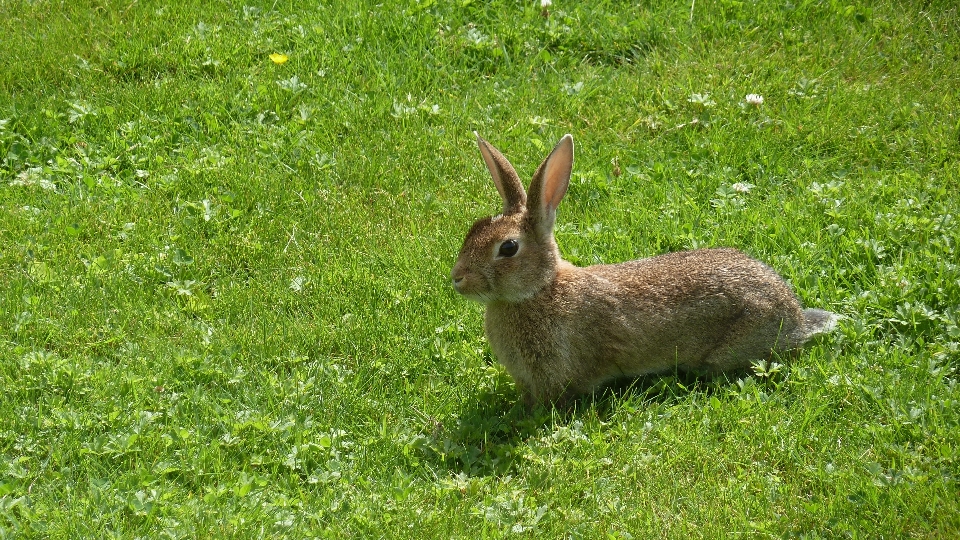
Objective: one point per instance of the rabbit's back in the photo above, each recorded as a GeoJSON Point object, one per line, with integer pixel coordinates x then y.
{"type": "Point", "coordinates": [705, 310]}
{"type": "Point", "coordinates": [709, 310]}
{"type": "Point", "coordinates": [703, 279]}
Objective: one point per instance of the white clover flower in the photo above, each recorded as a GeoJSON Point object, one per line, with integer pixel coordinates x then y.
{"type": "Point", "coordinates": [34, 176]}
{"type": "Point", "coordinates": [754, 99]}
{"type": "Point", "coordinates": [741, 187]}
{"type": "Point", "coordinates": [296, 284]}
{"type": "Point", "coordinates": [702, 100]}
{"type": "Point", "coordinates": [545, 3]}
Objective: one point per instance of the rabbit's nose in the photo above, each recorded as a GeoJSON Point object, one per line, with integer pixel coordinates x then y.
{"type": "Point", "coordinates": [457, 277]}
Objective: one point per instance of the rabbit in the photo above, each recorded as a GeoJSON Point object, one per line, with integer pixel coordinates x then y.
{"type": "Point", "coordinates": [563, 331]}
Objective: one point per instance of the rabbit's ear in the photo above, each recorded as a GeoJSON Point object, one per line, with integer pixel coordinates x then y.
{"type": "Point", "coordinates": [504, 176]}
{"type": "Point", "coordinates": [550, 184]}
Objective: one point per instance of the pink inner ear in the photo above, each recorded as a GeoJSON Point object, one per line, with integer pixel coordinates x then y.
{"type": "Point", "coordinates": [556, 175]}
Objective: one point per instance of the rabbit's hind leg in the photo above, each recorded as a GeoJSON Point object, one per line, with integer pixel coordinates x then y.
{"type": "Point", "coordinates": [748, 339]}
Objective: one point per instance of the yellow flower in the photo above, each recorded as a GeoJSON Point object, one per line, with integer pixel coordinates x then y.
{"type": "Point", "coordinates": [278, 58]}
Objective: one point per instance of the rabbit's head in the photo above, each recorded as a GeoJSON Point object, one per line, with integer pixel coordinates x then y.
{"type": "Point", "coordinates": [512, 256]}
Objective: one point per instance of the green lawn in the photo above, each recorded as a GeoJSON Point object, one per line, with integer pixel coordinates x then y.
{"type": "Point", "coordinates": [225, 307]}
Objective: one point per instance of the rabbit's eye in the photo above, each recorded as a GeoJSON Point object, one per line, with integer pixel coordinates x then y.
{"type": "Point", "coordinates": [509, 248]}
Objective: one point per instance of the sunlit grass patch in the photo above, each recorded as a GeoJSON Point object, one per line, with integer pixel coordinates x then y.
{"type": "Point", "coordinates": [226, 233]}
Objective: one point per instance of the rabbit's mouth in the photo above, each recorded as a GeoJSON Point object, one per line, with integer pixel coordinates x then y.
{"type": "Point", "coordinates": [467, 287]}
{"type": "Point", "coordinates": [478, 297]}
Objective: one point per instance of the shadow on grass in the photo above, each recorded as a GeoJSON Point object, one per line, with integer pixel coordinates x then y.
{"type": "Point", "coordinates": [490, 430]}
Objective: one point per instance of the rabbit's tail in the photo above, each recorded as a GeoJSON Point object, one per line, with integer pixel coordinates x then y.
{"type": "Point", "coordinates": [817, 322]}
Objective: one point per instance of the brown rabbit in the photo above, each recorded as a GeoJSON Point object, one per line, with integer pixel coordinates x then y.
{"type": "Point", "coordinates": [562, 330]}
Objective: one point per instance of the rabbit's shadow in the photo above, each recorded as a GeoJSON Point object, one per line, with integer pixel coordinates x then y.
{"type": "Point", "coordinates": [485, 439]}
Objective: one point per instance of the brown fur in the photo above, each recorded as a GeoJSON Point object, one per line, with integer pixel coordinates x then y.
{"type": "Point", "coordinates": [562, 331]}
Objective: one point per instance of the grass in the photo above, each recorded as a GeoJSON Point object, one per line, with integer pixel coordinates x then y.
{"type": "Point", "coordinates": [225, 300]}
